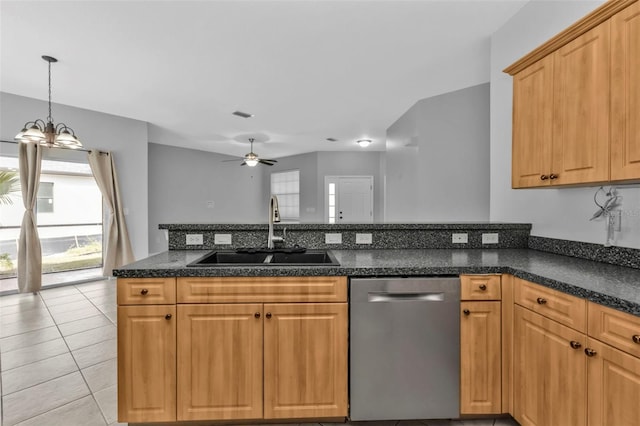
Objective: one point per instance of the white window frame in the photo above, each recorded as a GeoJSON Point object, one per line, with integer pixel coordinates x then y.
{"type": "Point", "coordinates": [282, 194]}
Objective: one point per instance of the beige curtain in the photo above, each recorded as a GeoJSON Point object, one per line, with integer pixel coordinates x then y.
{"type": "Point", "coordinates": [29, 250]}
{"type": "Point", "coordinates": [118, 250]}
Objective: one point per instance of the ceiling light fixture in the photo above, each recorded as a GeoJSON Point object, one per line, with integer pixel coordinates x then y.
{"type": "Point", "coordinates": [49, 134]}
{"type": "Point", "coordinates": [242, 114]}
{"type": "Point", "coordinates": [364, 142]}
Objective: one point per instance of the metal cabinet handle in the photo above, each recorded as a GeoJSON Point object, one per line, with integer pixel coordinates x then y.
{"type": "Point", "coordinates": [553, 176]}
{"type": "Point", "coordinates": [167, 317]}
{"type": "Point", "coordinates": [575, 345]}
{"type": "Point", "coordinates": [544, 177]}
{"type": "Point", "coordinates": [590, 352]}
{"type": "Point", "coordinates": [466, 312]}
{"type": "Point", "coordinates": [483, 287]}
{"type": "Point", "coordinates": [257, 315]}
{"type": "Point", "coordinates": [144, 291]}
{"type": "Point", "coordinates": [268, 314]}
{"type": "Point", "coordinates": [541, 301]}
{"type": "Point", "coordinates": [636, 338]}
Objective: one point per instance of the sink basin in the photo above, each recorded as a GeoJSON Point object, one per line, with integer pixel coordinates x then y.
{"type": "Point", "coordinates": [261, 258]}
{"type": "Point", "coordinates": [222, 257]}
{"type": "Point", "coordinates": [321, 257]}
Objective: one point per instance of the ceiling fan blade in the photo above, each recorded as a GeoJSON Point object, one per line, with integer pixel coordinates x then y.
{"type": "Point", "coordinates": [244, 163]}
{"type": "Point", "coordinates": [266, 162]}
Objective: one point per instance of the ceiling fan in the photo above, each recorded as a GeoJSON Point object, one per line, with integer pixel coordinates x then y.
{"type": "Point", "coordinates": [251, 159]}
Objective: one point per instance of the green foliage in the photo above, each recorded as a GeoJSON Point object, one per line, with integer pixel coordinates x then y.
{"type": "Point", "coordinates": [9, 184]}
{"type": "Point", "coordinates": [5, 262]}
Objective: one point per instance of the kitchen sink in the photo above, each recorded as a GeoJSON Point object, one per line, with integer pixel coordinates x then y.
{"type": "Point", "coordinates": [225, 257]}
{"type": "Point", "coordinates": [257, 257]}
{"type": "Point", "coordinates": [320, 257]}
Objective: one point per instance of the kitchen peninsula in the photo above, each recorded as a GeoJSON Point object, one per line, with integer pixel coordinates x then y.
{"type": "Point", "coordinates": [260, 295]}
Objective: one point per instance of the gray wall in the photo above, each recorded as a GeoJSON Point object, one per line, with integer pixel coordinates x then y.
{"type": "Point", "coordinates": [556, 213]}
{"type": "Point", "coordinates": [124, 137]}
{"type": "Point", "coordinates": [315, 166]}
{"type": "Point", "coordinates": [437, 160]}
{"type": "Point", "coordinates": [182, 182]}
{"type": "Point", "coordinates": [310, 212]}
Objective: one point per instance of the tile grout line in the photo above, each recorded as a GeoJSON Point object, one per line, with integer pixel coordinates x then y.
{"type": "Point", "coordinates": [76, 362]}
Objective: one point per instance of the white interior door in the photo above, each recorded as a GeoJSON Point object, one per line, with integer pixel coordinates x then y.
{"type": "Point", "coordinates": [349, 199]}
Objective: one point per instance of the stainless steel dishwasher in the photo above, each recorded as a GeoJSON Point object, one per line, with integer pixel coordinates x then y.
{"type": "Point", "coordinates": [404, 348]}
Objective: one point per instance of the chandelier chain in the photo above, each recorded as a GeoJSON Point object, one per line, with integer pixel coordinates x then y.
{"type": "Point", "coordinates": [50, 118]}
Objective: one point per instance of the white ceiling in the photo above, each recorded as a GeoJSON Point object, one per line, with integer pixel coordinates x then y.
{"type": "Point", "coordinates": [307, 69]}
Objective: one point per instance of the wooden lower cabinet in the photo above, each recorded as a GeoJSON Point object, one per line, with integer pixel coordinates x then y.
{"type": "Point", "coordinates": [614, 386]}
{"type": "Point", "coordinates": [550, 372]}
{"type": "Point", "coordinates": [222, 349]}
{"type": "Point", "coordinates": [220, 361]}
{"type": "Point", "coordinates": [480, 358]}
{"type": "Point", "coordinates": [147, 363]}
{"type": "Point", "coordinates": [305, 360]}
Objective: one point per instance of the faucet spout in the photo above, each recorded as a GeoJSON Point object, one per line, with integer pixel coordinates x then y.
{"type": "Point", "coordinates": [274, 217]}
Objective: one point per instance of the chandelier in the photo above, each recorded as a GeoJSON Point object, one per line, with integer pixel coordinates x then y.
{"type": "Point", "coordinates": [49, 134]}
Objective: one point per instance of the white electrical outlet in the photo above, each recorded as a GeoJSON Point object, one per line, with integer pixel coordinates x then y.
{"type": "Point", "coordinates": [460, 238]}
{"type": "Point", "coordinates": [333, 238]}
{"type": "Point", "coordinates": [222, 239]}
{"type": "Point", "coordinates": [491, 238]}
{"type": "Point", "coordinates": [194, 239]}
{"type": "Point", "coordinates": [616, 217]}
{"type": "Point", "coordinates": [364, 239]}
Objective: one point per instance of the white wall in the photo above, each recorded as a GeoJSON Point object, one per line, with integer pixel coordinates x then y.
{"type": "Point", "coordinates": [437, 160]}
{"type": "Point", "coordinates": [556, 213]}
{"type": "Point", "coordinates": [124, 137]}
{"type": "Point", "coordinates": [183, 181]}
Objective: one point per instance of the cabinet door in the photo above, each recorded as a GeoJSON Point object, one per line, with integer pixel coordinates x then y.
{"type": "Point", "coordinates": [532, 124]}
{"type": "Point", "coordinates": [305, 360]}
{"type": "Point", "coordinates": [625, 94]}
{"type": "Point", "coordinates": [146, 363]}
{"type": "Point", "coordinates": [614, 386]}
{"type": "Point", "coordinates": [550, 376]}
{"type": "Point", "coordinates": [480, 363]}
{"type": "Point", "coordinates": [581, 109]}
{"type": "Point", "coordinates": [219, 362]}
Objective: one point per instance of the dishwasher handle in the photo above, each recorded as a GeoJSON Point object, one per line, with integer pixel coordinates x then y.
{"type": "Point", "coordinates": [405, 297]}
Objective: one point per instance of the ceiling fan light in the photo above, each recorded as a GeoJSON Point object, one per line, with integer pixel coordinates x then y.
{"type": "Point", "coordinates": [364, 143]}
{"type": "Point", "coordinates": [252, 162]}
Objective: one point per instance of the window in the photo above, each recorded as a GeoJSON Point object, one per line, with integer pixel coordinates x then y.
{"type": "Point", "coordinates": [286, 186]}
{"type": "Point", "coordinates": [44, 203]}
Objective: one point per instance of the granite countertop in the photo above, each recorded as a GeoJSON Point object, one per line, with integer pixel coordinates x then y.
{"type": "Point", "coordinates": [610, 285]}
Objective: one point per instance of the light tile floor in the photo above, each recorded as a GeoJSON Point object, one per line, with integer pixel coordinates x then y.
{"type": "Point", "coordinates": [58, 360]}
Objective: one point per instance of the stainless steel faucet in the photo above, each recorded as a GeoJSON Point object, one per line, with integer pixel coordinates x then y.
{"type": "Point", "coordinates": [274, 217]}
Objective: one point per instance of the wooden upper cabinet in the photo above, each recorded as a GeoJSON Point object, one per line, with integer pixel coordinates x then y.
{"type": "Point", "coordinates": [532, 124]}
{"type": "Point", "coordinates": [625, 94]}
{"type": "Point", "coordinates": [576, 103]}
{"type": "Point", "coordinates": [581, 109]}
{"type": "Point", "coordinates": [146, 364]}
{"type": "Point", "coordinates": [305, 360]}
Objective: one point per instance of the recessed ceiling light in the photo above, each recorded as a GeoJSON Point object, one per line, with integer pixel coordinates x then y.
{"type": "Point", "coordinates": [332, 139]}
{"type": "Point", "coordinates": [364, 142]}
{"type": "Point", "coordinates": [242, 114]}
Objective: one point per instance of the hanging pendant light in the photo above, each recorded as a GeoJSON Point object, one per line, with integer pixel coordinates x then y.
{"type": "Point", "coordinates": [49, 134]}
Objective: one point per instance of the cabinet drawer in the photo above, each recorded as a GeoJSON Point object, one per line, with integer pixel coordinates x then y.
{"type": "Point", "coordinates": [615, 328]}
{"type": "Point", "coordinates": [146, 291]}
{"type": "Point", "coordinates": [261, 289]}
{"type": "Point", "coordinates": [480, 287]}
{"type": "Point", "coordinates": [564, 308]}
